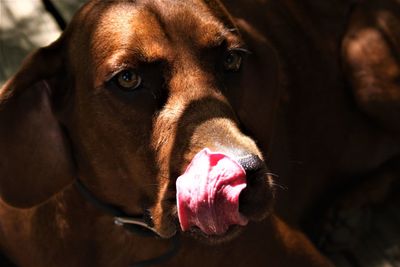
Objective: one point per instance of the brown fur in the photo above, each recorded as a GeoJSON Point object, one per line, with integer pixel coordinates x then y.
{"type": "Point", "coordinates": [291, 98]}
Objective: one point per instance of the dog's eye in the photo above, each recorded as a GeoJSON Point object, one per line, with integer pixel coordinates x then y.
{"type": "Point", "coordinates": [128, 80]}
{"type": "Point", "coordinates": [233, 61]}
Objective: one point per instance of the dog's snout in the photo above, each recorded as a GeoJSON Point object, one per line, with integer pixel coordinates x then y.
{"type": "Point", "coordinates": [256, 199]}
{"type": "Point", "coordinates": [252, 164]}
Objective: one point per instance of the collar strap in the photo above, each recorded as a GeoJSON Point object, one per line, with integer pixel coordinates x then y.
{"type": "Point", "coordinates": [136, 225]}
{"type": "Point", "coordinates": [133, 224]}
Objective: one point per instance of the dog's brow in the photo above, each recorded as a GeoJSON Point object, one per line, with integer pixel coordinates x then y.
{"type": "Point", "coordinates": [156, 54]}
{"type": "Point", "coordinates": [225, 36]}
{"type": "Point", "coordinates": [219, 39]}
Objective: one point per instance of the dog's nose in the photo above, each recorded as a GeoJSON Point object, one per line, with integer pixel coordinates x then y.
{"type": "Point", "coordinates": [251, 163]}
{"type": "Point", "coordinates": [257, 197]}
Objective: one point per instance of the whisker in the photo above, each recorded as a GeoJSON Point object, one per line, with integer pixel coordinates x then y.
{"type": "Point", "coordinates": [279, 186]}
{"type": "Point", "coordinates": [273, 174]}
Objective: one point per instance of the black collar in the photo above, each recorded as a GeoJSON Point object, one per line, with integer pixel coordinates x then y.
{"type": "Point", "coordinates": [136, 225]}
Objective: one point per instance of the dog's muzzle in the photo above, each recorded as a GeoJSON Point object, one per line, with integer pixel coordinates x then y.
{"type": "Point", "coordinates": [217, 191]}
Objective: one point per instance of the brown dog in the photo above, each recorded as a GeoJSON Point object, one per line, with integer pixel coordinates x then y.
{"type": "Point", "coordinates": [104, 121]}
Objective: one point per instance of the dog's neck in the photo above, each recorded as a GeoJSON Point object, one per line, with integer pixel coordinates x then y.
{"type": "Point", "coordinates": [137, 225]}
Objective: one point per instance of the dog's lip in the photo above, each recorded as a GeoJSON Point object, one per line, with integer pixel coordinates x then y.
{"type": "Point", "coordinates": [197, 233]}
{"type": "Point", "coordinates": [171, 201]}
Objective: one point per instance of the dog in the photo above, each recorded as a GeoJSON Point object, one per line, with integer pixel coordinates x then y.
{"type": "Point", "coordinates": [160, 131]}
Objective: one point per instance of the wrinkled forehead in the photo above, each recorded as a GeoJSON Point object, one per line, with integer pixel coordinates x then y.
{"type": "Point", "coordinates": [153, 29]}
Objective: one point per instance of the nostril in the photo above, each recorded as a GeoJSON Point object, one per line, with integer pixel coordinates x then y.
{"type": "Point", "coordinates": [251, 164]}
{"type": "Point", "coordinates": [255, 200]}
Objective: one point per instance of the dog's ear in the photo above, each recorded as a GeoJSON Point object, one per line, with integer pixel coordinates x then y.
{"type": "Point", "coordinates": [35, 160]}
{"type": "Point", "coordinates": [371, 59]}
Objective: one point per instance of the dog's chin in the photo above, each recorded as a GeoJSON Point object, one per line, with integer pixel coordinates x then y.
{"type": "Point", "coordinates": [170, 228]}
{"type": "Point", "coordinates": [165, 218]}
{"type": "Point", "coordinates": [232, 232]}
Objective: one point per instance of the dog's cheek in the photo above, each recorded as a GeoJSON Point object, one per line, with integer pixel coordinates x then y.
{"type": "Point", "coordinates": [112, 144]}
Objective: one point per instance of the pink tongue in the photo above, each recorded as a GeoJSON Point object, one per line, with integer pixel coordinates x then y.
{"type": "Point", "coordinates": [208, 193]}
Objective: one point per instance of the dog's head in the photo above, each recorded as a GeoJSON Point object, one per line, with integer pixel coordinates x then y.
{"type": "Point", "coordinates": [132, 96]}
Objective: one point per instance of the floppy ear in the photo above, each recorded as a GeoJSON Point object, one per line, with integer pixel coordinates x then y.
{"type": "Point", "coordinates": [34, 156]}
{"type": "Point", "coordinates": [371, 58]}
